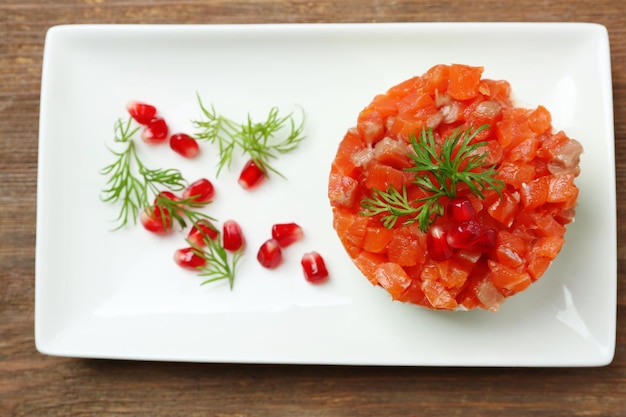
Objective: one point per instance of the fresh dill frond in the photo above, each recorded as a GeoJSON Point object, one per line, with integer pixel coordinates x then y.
{"type": "Point", "coordinates": [439, 168]}
{"type": "Point", "coordinates": [130, 181]}
{"type": "Point", "coordinates": [260, 141]}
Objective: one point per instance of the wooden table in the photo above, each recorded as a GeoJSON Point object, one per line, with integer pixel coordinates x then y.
{"type": "Point", "coordinates": [32, 384]}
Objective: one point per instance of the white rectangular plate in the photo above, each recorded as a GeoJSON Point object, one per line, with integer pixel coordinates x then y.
{"type": "Point", "coordinates": [107, 294]}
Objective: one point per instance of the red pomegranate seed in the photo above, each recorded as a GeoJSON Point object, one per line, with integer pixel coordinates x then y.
{"type": "Point", "coordinates": [168, 194]}
{"type": "Point", "coordinates": [153, 220]}
{"type": "Point", "coordinates": [437, 244]}
{"type": "Point", "coordinates": [463, 234]}
{"type": "Point", "coordinates": [184, 145]}
{"type": "Point", "coordinates": [486, 241]}
{"type": "Point", "coordinates": [201, 230]}
{"type": "Point", "coordinates": [232, 237]}
{"type": "Point", "coordinates": [165, 194]}
{"type": "Point", "coordinates": [251, 175]}
{"type": "Point", "coordinates": [188, 258]}
{"type": "Point", "coordinates": [286, 233]}
{"type": "Point", "coordinates": [155, 131]}
{"type": "Point", "coordinates": [141, 112]}
{"type": "Point", "coordinates": [270, 255]}
{"type": "Point", "coordinates": [460, 209]}
{"type": "Point", "coordinates": [314, 267]}
{"type": "Point", "coordinates": [201, 191]}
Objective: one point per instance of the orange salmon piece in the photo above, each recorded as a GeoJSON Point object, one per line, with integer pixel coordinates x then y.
{"type": "Point", "coordinates": [497, 90]}
{"type": "Point", "coordinates": [525, 151]}
{"type": "Point", "coordinates": [405, 87]}
{"type": "Point", "coordinates": [404, 248]}
{"type": "Point", "coordinates": [436, 79]}
{"type": "Point", "coordinates": [507, 278]}
{"type": "Point", "coordinates": [351, 228]}
{"type": "Point", "coordinates": [540, 120]}
{"type": "Point", "coordinates": [393, 278]}
{"type": "Point", "coordinates": [367, 263]}
{"type": "Point", "coordinates": [563, 190]}
{"type": "Point", "coordinates": [548, 246]}
{"type": "Point", "coordinates": [343, 163]}
{"type": "Point", "coordinates": [393, 153]}
{"type": "Point", "coordinates": [464, 81]}
{"type": "Point", "coordinates": [438, 296]}
{"type": "Point", "coordinates": [385, 105]}
{"type": "Point", "coordinates": [504, 209]}
{"type": "Point", "coordinates": [516, 173]}
{"type": "Point", "coordinates": [513, 128]}
{"type": "Point", "coordinates": [537, 266]}
{"type": "Point", "coordinates": [342, 190]}
{"type": "Point", "coordinates": [535, 193]}
{"type": "Point", "coordinates": [452, 274]}
{"type": "Point", "coordinates": [376, 239]}
{"type": "Point", "coordinates": [510, 249]}
{"type": "Point", "coordinates": [381, 177]}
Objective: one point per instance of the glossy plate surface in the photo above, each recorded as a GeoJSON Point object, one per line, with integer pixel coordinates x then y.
{"type": "Point", "coordinates": [107, 294]}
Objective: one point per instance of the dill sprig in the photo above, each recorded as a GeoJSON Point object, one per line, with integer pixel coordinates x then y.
{"type": "Point", "coordinates": [130, 181]}
{"type": "Point", "coordinates": [217, 129]}
{"type": "Point", "coordinates": [397, 204]}
{"type": "Point", "coordinates": [258, 140]}
{"type": "Point", "coordinates": [219, 265]}
{"type": "Point", "coordinates": [180, 210]}
{"type": "Point", "coordinates": [438, 169]}
{"type": "Point", "coordinates": [455, 161]}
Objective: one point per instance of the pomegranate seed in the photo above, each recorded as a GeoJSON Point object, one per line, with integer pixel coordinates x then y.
{"type": "Point", "coordinates": [437, 244]}
{"type": "Point", "coordinates": [189, 259]}
{"type": "Point", "coordinates": [286, 233]}
{"type": "Point", "coordinates": [184, 145]}
{"type": "Point", "coordinates": [166, 194]}
{"type": "Point", "coordinates": [155, 131]}
{"type": "Point", "coordinates": [463, 234]}
{"type": "Point", "coordinates": [141, 112]}
{"type": "Point", "coordinates": [460, 209]}
{"type": "Point", "coordinates": [153, 220]}
{"type": "Point", "coordinates": [251, 175]}
{"type": "Point", "coordinates": [270, 255]}
{"type": "Point", "coordinates": [232, 237]}
{"type": "Point", "coordinates": [201, 230]}
{"type": "Point", "coordinates": [314, 267]}
{"type": "Point", "coordinates": [201, 191]}
{"type": "Point", "coordinates": [486, 241]}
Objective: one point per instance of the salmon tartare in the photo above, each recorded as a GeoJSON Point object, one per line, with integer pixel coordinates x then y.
{"type": "Point", "coordinates": [449, 196]}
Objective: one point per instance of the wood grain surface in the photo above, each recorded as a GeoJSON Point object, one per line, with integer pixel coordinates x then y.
{"type": "Point", "coordinates": [32, 384]}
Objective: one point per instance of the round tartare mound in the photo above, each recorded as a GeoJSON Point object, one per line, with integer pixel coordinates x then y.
{"type": "Point", "coordinates": [445, 243]}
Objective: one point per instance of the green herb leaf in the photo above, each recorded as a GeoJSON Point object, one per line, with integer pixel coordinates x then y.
{"type": "Point", "coordinates": [456, 161]}
{"type": "Point", "coordinates": [438, 169]}
{"type": "Point", "coordinates": [181, 210]}
{"type": "Point", "coordinates": [220, 265]}
{"type": "Point", "coordinates": [258, 140]}
{"type": "Point", "coordinates": [130, 181]}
